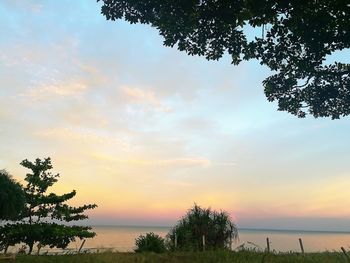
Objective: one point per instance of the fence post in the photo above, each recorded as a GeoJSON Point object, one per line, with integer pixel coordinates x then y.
{"type": "Point", "coordinates": [203, 242]}
{"type": "Point", "coordinates": [268, 245]}
{"type": "Point", "coordinates": [301, 245]}
{"type": "Point", "coordinates": [345, 254]}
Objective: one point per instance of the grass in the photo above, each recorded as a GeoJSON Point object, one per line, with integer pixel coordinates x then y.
{"type": "Point", "coordinates": [188, 257]}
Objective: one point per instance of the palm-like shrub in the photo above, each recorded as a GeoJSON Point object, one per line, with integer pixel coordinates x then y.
{"type": "Point", "coordinates": [150, 243]}
{"type": "Point", "coordinates": [217, 228]}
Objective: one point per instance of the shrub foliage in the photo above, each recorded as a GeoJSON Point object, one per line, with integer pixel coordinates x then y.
{"type": "Point", "coordinates": [150, 243]}
{"type": "Point", "coordinates": [217, 228]}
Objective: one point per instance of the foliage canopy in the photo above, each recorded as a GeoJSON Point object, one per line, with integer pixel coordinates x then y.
{"type": "Point", "coordinates": [11, 197]}
{"type": "Point", "coordinates": [296, 38]}
{"type": "Point", "coordinates": [40, 220]}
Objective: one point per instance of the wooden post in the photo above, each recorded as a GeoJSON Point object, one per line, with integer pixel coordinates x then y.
{"type": "Point", "coordinates": [203, 242]}
{"type": "Point", "coordinates": [268, 245]}
{"type": "Point", "coordinates": [175, 241]}
{"type": "Point", "coordinates": [81, 246]}
{"type": "Point", "coordinates": [345, 254]}
{"type": "Point", "coordinates": [301, 246]}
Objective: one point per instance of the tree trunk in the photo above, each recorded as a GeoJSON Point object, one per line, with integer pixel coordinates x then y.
{"type": "Point", "coordinates": [31, 244]}
{"type": "Point", "coordinates": [6, 248]}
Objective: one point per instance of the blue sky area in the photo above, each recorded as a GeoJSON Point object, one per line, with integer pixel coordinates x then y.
{"type": "Point", "coordinates": [145, 130]}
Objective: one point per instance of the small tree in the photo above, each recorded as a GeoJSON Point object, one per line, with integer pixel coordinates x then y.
{"type": "Point", "coordinates": [39, 220]}
{"type": "Point", "coordinates": [217, 228]}
{"type": "Point", "coordinates": [150, 243]}
{"type": "Point", "coordinates": [11, 197]}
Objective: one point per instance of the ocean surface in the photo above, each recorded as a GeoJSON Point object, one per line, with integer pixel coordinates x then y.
{"type": "Point", "coordinates": [122, 238]}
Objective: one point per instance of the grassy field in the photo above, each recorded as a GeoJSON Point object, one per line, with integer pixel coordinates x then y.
{"type": "Point", "coordinates": [204, 257]}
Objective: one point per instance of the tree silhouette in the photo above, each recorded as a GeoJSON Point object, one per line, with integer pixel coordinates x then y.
{"type": "Point", "coordinates": [39, 220]}
{"type": "Point", "coordinates": [296, 37]}
{"type": "Point", "coordinates": [11, 197]}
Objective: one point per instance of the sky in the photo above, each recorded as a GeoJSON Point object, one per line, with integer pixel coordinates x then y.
{"type": "Point", "coordinates": [145, 131]}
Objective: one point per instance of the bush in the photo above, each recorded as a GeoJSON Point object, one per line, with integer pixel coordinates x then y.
{"type": "Point", "coordinates": [150, 243]}
{"type": "Point", "coordinates": [217, 228]}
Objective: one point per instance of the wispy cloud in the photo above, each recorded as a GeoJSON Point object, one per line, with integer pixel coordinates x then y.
{"type": "Point", "coordinates": [175, 162]}
{"type": "Point", "coordinates": [191, 161]}
{"type": "Point", "coordinates": [51, 91]}
{"type": "Point", "coordinates": [78, 135]}
{"type": "Point", "coordinates": [144, 97]}
{"type": "Point", "coordinates": [31, 6]}
{"type": "Point", "coordinates": [225, 163]}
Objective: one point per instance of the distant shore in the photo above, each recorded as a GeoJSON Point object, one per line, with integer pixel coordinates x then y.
{"type": "Point", "coordinates": [240, 229]}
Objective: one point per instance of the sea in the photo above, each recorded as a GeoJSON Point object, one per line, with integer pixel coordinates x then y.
{"type": "Point", "coordinates": [122, 238]}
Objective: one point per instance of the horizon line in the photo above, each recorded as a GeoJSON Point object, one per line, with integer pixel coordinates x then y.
{"type": "Point", "coordinates": [238, 228]}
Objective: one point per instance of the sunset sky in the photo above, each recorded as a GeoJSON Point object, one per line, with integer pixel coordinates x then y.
{"type": "Point", "coordinates": [146, 131]}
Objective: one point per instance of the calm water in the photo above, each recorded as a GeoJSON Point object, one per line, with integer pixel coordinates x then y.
{"type": "Point", "coordinates": [123, 238]}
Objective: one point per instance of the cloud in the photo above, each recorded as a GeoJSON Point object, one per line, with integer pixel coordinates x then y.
{"type": "Point", "coordinates": [179, 184]}
{"type": "Point", "coordinates": [144, 97]}
{"type": "Point", "coordinates": [60, 90]}
{"type": "Point", "coordinates": [192, 161]}
{"type": "Point", "coordinates": [138, 95]}
{"type": "Point", "coordinates": [182, 162]}
{"type": "Point", "coordinates": [78, 135]}
{"type": "Point", "coordinates": [31, 6]}
{"type": "Point", "coordinates": [225, 164]}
